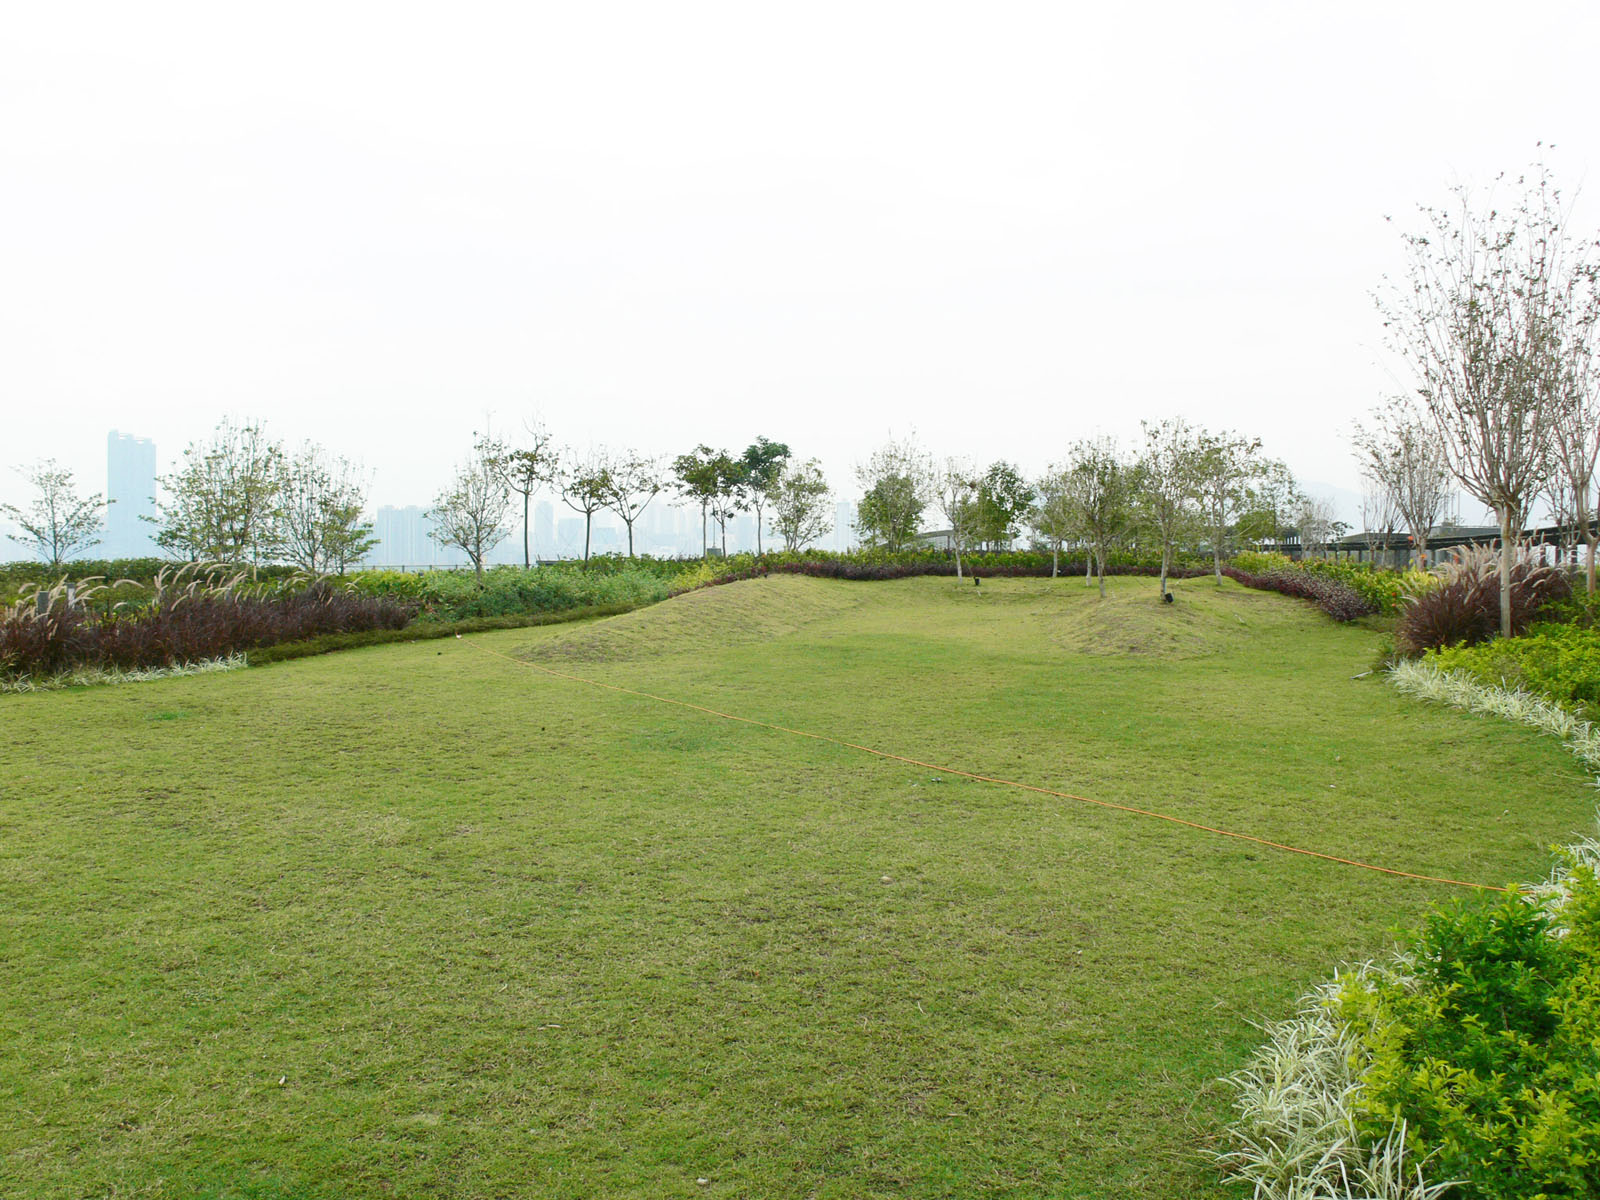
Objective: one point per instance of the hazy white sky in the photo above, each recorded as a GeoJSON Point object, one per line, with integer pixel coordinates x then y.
{"type": "Point", "coordinates": [1001, 225]}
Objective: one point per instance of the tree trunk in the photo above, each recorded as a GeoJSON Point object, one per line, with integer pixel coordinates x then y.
{"type": "Point", "coordinates": [1590, 537]}
{"type": "Point", "coordinates": [758, 531]}
{"type": "Point", "coordinates": [1422, 550]}
{"type": "Point", "coordinates": [705, 541]}
{"type": "Point", "coordinates": [1088, 566]}
{"type": "Point", "coordinates": [1216, 554]}
{"type": "Point", "coordinates": [1505, 573]}
{"type": "Point", "coordinates": [629, 524]}
{"type": "Point", "coordinates": [1166, 557]}
{"type": "Point", "coordinates": [527, 556]}
{"type": "Point", "coordinates": [958, 562]}
{"type": "Point", "coordinates": [1102, 559]}
{"type": "Point", "coordinates": [588, 523]}
{"type": "Point", "coordinates": [1055, 559]}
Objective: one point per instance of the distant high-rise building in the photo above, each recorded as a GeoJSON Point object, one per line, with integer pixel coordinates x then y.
{"type": "Point", "coordinates": [844, 526]}
{"type": "Point", "coordinates": [544, 530]}
{"type": "Point", "coordinates": [404, 540]}
{"type": "Point", "coordinates": [131, 490]}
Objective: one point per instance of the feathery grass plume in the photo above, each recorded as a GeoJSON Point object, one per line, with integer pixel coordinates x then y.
{"type": "Point", "coordinates": [1296, 1135]}
{"type": "Point", "coordinates": [1465, 606]}
{"type": "Point", "coordinates": [94, 676]}
{"type": "Point", "coordinates": [190, 613]}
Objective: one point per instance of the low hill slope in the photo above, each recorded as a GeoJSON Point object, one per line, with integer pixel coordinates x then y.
{"type": "Point", "coordinates": [756, 610]}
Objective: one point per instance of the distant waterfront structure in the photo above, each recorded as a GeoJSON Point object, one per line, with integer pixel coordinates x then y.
{"type": "Point", "coordinates": [131, 489]}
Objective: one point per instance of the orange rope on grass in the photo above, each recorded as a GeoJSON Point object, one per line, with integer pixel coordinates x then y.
{"type": "Point", "coordinates": [1011, 783]}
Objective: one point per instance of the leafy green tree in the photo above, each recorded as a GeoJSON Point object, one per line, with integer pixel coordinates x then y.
{"type": "Point", "coordinates": [731, 494]}
{"type": "Point", "coordinates": [698, 479]}
{"type": "Point", "coordinates": [1101, 488]}
{"type": "Point", "coordinates": [471, 513]}
{"type": "Point", "coordinates": [763, 462]}
{"type": "Point", "coordinates": [898, 481]}
{"type": "Point", "coordinates": [223, 504]}
{"type": "Point", "coordinates": [1169, 479]}
{"type": "Point", "coordinates": [802, 505]}
{"type": "Point", "coordinates": [958, 490]}
{"type": "Point", "coordinates": [1052, 515]}
{"type": "Point", "coordinates": [1226, 468]}
{"type": "Point", "coordinates": [320, 503]}
{"type": "Point", "coordinates": [59, 523]}
{"type": "Point", "coordinates": [1004, 499]}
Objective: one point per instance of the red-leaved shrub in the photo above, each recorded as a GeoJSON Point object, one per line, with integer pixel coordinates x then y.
{"type": "Point", "coordinates": [1465, 608]}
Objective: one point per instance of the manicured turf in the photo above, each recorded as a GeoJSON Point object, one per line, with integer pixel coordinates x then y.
{"type": "Point", "coordinates": [420, 921]}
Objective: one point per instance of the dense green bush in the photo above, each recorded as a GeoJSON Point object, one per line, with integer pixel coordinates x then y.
{"type": "Point", "coordinates": [1386, 590]}
{"type": "Point", "coordinates": [457, 595]}
{"type": "Point", "coordinates": [1490, 1050]}
{"type": "Point", "coordinates": [1558, 661]}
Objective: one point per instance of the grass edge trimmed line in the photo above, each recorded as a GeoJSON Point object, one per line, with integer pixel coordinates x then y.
{"type": "Point", "coordinates": [423, 631]}
{"type": "Point", "coordinates": [1296, 1096]}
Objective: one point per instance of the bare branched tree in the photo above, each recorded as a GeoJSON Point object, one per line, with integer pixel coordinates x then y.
{"type": "Point", "coordinates": [1314, 517]}
{"type": "Point", "coordinates": [526, 469]}
{"type": "Point", "coordinates": [630, 482]}
{"type": "Point", "coordinates": [956, 485]}
{"type": "Point", "coordinates": [470, 514]}
{"type": "Point", "coordinates": [1379, 513]}
{"type": "Point", "coordinates": [59, 522]}
{"type": "Point", "coordinates": [1403, 454]}
{"type": "Point", "coordinates": [1575, 441]}
{"type": "Point", "coordinates": [1488, 319]}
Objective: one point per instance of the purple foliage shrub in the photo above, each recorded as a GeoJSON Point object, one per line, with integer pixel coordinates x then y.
{"type": "Point", "coordinates": [182, 624]}
{"type": "Point", "coordinates": [1338, 600]}
{"type": "Point", "coordinates": [1465, 608]}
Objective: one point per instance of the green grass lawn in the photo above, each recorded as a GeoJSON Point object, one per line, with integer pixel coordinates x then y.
{"type": "Point", "coordinates": [421, 921]}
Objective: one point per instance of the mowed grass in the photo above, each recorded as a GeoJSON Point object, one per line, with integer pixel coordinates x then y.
{"type": "Point", "coordinates": [423, 921]}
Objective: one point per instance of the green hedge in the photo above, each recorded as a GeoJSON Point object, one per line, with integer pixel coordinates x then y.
{"type": "Point", "coordinates": [423, 631]}
{"type": "Point", "coordinates": [1385, 589]}
{"type": "Point", "coordinates": [1558, 661]}
{"type": "Point", "coordinates": [508, 591]}
{"type": "Point", "coordinates": [1489, 1051]}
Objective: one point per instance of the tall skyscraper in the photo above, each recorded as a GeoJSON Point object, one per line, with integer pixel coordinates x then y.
{"type": "Point", "coordinates": [131, 489]}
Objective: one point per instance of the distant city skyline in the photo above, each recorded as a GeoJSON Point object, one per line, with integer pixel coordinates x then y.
{"type": "Point", "coordinates": [1002, 228]}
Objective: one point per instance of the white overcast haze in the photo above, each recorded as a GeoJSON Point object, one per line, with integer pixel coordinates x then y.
{"type": "Point", "coordinates": [1002, 226]}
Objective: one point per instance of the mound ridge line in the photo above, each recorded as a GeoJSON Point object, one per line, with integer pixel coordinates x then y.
{"type": "Point", "coordinates": [1001, 782]}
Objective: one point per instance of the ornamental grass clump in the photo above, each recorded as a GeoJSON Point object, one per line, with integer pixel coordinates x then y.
{"type": "Point", "coordinates": [1464, 608]}
{"type": "Point", "coordinates": [188, 614]}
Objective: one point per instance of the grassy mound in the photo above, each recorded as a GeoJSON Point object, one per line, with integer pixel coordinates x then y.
{"type": "Point", "coordinates": [419, 920]}
{"type": "Point", "coordinates": [707, 620]}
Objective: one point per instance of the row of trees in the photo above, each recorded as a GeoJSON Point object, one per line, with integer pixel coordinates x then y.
{"type": "Point", "coordinates": [238, 497]}
{"type": "Point", "coordinates": [1183, 486]}
{"type": "Point", "coordinates": [473, 513]}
